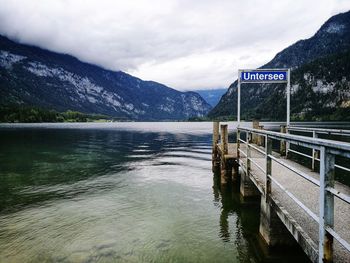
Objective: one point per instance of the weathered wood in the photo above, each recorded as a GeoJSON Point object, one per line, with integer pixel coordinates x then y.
{"type": "Point", "coordinates": [315, 153]}
{"type": "Point", "coordinates": [224, 165]}
{"type": "Point", "coordinates": [224, 154]}
{"type": "Point", "coordinates": [215, 133]}
{"type": "Point", "coordinates": [261, 138]}
{"type": "Point", "coordinates": [255, 137]}
{"type": "Point", "coordinates": [224, 138]}
{"type": "Point", "coordinates": [283, 149]}
{"type": "Point", "coordinates": [215, 156]}
{"type": "Point", "coordinates": [232, 151]}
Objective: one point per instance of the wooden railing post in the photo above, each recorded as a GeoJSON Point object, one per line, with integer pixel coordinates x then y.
{"type": "Point", "coordinates": [215, 145]}
{"type": "Point", "coordinates": [326, 203]}
{"type": "Point", "coordinates": [283, 149]}
{"type": "Point", "coordinates": [268, 151]}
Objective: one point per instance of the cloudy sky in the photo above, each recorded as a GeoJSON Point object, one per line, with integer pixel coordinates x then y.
{"type": "Point", "coordinates": [185, 44]}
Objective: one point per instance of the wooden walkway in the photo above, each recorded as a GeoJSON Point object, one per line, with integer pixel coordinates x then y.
{"type": "Point", "coordinates": [297, 221]}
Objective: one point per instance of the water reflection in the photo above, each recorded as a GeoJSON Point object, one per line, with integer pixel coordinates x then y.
{"type": "Point", "coordinates": [117, 195]}
{"type": "Point", "coordinates": [53, 163]}
{"type": "Point", "coordinates": [239, 224]}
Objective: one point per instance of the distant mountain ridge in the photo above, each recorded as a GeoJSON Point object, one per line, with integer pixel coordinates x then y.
{"type": "Point", "coordinates": [211, 96]}
{"type": "Point", "coordinates": [332, 37]}
{"type": "Point", "coordinates": [315, 93]}
{"type": "Point", "coordinates": [33, 76]}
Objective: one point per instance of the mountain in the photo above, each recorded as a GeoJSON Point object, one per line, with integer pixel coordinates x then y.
{"type": "Point", "coordinates": [211, 96]}
{"type": "Point", "coordinates": [320, 80]}
{"type": "Point", "coordinates": [36, 77]}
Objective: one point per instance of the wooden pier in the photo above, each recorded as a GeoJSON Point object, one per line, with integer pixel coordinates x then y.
{"type": "Point", "coordinates": [224, 156]}
{"type": "Point", "coordinates": [296, 202]}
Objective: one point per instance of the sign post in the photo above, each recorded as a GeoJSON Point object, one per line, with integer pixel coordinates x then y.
{"type": "Point", "coordinates": [239, 101]}
{"type": "Point", "coordinates": [263, 76]}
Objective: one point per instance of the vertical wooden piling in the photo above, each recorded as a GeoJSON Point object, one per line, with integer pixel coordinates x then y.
{"type": "Point", "coordinates": [283, 149]}
{"type": "Point", "coordinates": [261, 139]}
{"type": "Point", "coordinates": [258, 139]}
{"type": "Point", "coordinates": [224, 139]}
{"type": "Point", "coordinates": [215, 157]}
{"type": "Point", "coordinates": [224, 151]}
{"type": "Point", "coordinates": [255, 136]}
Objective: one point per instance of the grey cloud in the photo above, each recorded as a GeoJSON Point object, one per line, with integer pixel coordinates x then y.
{"type": "Point", "coordinates": [184, 44]}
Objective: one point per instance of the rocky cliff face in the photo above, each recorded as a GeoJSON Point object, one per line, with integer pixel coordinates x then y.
{"type": "Point", "coordinates": [37, 77]}
{"type": "Point", "coordinates": [320, 79]}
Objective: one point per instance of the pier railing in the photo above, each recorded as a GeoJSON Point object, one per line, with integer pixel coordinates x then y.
{"type": "Point", "coordinates": [328, 149]}
{"type": "Point", "coordinates": [315, 132]}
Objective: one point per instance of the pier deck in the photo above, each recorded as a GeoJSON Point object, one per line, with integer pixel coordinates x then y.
{"type": "Point", "coordinates": [294, 217]}
{"type": "Point", "coordinates": [290, 192]}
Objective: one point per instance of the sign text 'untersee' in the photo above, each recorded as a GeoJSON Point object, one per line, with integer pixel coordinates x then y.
{"type": "Point", "coordinates": [264, 76]}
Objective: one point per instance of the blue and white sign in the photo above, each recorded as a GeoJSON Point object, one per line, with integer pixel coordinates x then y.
{"type": "Point", "coordinates": [264, 76]}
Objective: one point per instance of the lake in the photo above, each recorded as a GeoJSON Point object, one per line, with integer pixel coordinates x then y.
{"type": "Point", "coordinates": [121, 192]}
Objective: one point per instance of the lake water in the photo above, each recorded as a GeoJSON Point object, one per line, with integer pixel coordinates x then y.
{"type": "Point", "coordinates": [120, 192]}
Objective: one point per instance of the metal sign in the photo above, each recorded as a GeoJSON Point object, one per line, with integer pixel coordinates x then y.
{"type": "Point", "coordinates": [263, 76]}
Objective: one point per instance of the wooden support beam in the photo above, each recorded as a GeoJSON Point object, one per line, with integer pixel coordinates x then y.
{"type": "Point", "coordinates": [283, 149]}
{"type": "Point", "coordinates": [224, 151]}
{"type": "Point", "coordinates": [224, 138]}
{"type": "Point", "coordinates": [255, 136]}
{"type": "Point", "coordinates": [261, 138]}
{"type": "Point", "coordinates": [215, 155]}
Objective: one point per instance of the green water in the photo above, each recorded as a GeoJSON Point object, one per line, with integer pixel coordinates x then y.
{"type": "Point", "coordinates": [121, 192]}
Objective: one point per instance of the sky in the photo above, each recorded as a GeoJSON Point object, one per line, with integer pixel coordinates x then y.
{"type": "Point", "coordinates": [185, 44]}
